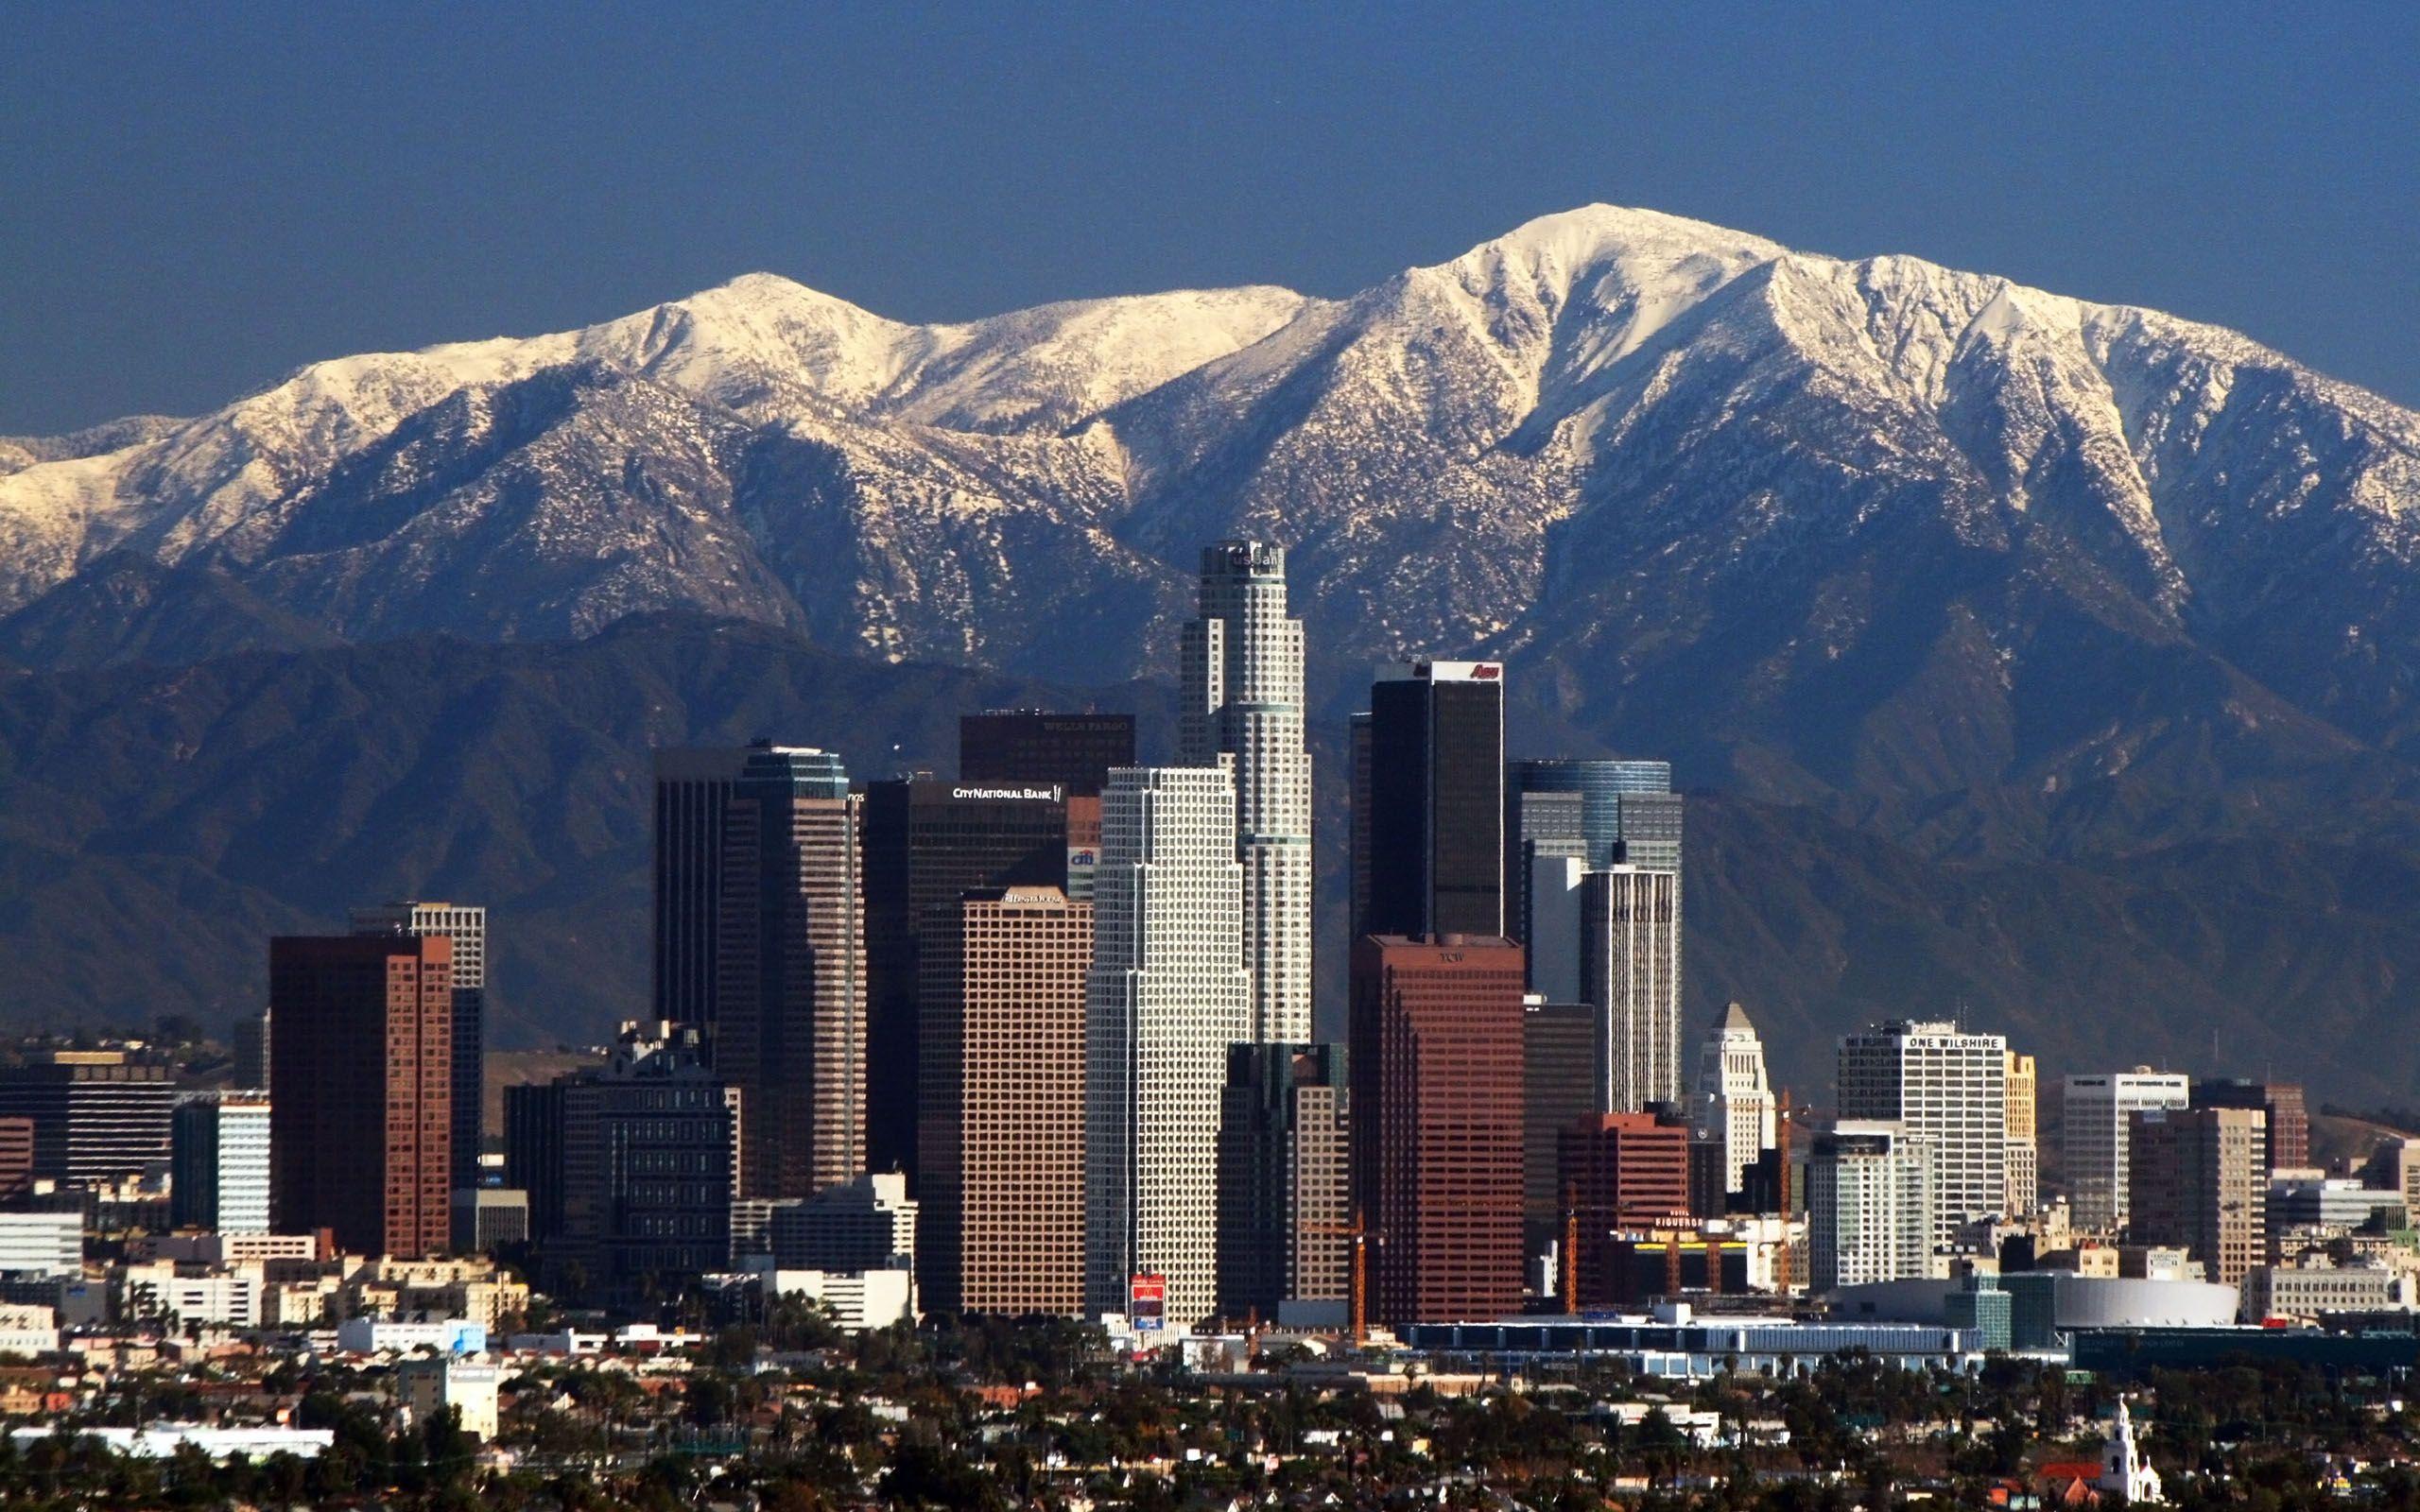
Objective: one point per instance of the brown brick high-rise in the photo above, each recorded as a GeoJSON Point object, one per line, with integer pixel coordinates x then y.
{"type": "Point", "coordinates": [361, 1090]}
{"type": "Point", "coordinates": [1625, 1170]}
{"type": "Point", "coordinates": [1436, 1066]}
{"type": "Point", "coordinates": [1001, 1103]}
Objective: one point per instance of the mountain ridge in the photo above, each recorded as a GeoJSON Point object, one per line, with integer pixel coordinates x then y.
{"type": "Point", "coordinates": [2004, 581]}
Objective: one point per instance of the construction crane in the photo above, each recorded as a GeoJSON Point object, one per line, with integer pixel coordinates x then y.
{"type": "Point", "coordinates": [1570, 1258]}
{"type": "Point", "coordinates": [1781, 1261]}
{"type": "Point", "coordinates": [1359, 1231]}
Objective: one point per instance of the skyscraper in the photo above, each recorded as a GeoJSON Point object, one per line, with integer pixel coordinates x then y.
{"type": "Point", "coordinates": [1629, 968]}
{"type": "Point", "coordinates": [218, 1175]}
{"type": "Point", "coordinates": [789, 1026]}
{"type": "Point", "coordinates": [1167, 996]}
{"type": "Point", "coordinates": [533, 1152]}
{"type": "Point", "coordinates": [1357, 821]}
{"type": "Point", "coordinates": [2024, 1157]}
{"type": "Point", "coordinates": [1283, 1192]}
{"type": "Point", "coordinates": [1870, 1210]}
{"type": "Point", "coordinates": [1001, 1061]}
{"type": "Point", "coordinates": [1647, 834]}
{"type": "Point", "coordinates": [1540, 829]}
{"type": "Point", "coordinates": [1949, 1090]}
{"type": "Point", "coordinates": [1436, 830]}
{"type": "Point", "coordinates": [1242, 696]}
{"type": "Point", "coordinates": [468, 929]}
{"type": "Point", "coordinates": [98, 1115]}
{"type": "Point", "coordinates": [252, 1048]}
{"type": "Point", "coordinates": [1437, 1123]}
{"type": "Point", "coordinates": [651, 1156]}
{"type": "Point", "coordinates": [2289, 1126]}
{"type": "Point", "coordinates": [1733, 1106]}
{"type": "Point", "coordinates": [1036, 747]}
{"type": "Point", "coordinates": [362, 1092]}
{"type": "Point", "coordinates": [1558, 1086]}
{"type": "Point", "coordinates": [2093, 1134]}
{"type": "Point", "coordinates": [692, 799]}
{"type": "Point", "coordinates": [2197, 1177]}
{"type": "Point", "coordinates": [926, 842]}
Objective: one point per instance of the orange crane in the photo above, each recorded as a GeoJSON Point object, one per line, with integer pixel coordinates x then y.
{"type": "Point", "coordinates": [1781, 1262]}
{"type": "Point", "coordinates": [1359, 1231]}
{"type": "Point", "coordinates": [1570, 1257]}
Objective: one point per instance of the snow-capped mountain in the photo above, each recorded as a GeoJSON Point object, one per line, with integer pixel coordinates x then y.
{"type": "Point", "coordinates": [1877, 532]}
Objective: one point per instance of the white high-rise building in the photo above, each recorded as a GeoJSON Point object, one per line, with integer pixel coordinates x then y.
{"type": "Point", "coordinates": [1869, 1208]}
{"type": "Point", "coordinates": [1167, 995]}
{"type": "Point", "coordinates": [218, 1162]}
{"type": "Point", "coordinates": [1242, 680]}
{"type": "Point", "coordinates": [1734, 1106]}
{"type": "Point", "coordinates": [2093, 1135]}
{"type": "Point", "coordinates": [1947, 1088]}
{"type": "Point", "coordinates": [1629, 968]}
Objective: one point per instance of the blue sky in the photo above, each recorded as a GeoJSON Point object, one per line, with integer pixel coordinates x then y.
{"type": "Point", "coordinates": [193, 201]}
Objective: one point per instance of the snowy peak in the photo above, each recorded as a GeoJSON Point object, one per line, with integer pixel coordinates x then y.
{"type": "Point", "coordinates": [1602, 431]}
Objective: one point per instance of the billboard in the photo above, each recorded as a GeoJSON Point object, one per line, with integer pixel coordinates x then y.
{"type": "Point", "coordinates": [1147, 1301]}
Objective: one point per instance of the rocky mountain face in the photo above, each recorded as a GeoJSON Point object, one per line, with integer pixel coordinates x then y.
{"type": "Point", "coordinates": [1982, 576]}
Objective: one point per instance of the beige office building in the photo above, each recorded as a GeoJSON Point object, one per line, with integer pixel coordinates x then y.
{"type": "Point", "coordinates": [1000, 1103]}
{"type": "Point", "coordinates": [2199, 1178]}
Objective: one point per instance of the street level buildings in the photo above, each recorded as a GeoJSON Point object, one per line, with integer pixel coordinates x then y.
{"type": "Point", "coordinates": [1167, 995]}
{"type": "Point", "coordinates": [1243, 698]}
{"type": "Point", "coordinates": [1436, 1052]}
{"type": "Point", "coordinates": [1001, 1102]}
{"type": "Point", "coordinates": [362, 1089]}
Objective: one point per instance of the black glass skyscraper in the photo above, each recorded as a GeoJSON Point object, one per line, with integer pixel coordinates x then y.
{"type": "Point", "coordinates": [926, 844]}
{"type": "Point", "coordinates": [1071, 751]}
{"type": "Point", "coordinates": [1436, 819]}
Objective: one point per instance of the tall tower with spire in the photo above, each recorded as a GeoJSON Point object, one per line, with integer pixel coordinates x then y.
{"type": "Point", "coordinates": [1732, 1106]}
{"type": "Point", "coordinates": [1242, 691]}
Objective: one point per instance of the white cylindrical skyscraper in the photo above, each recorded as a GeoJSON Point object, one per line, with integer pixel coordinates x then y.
{"type": "Point", "coordinates": [1242, 677]}
{"type": "Point", "coordinates": [1167, 995]}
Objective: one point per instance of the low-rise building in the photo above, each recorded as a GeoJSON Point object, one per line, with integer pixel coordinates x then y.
{"type": "Point", "coordinates": [468, 1386]}
{"type": "Point", "coordinates": [2311, 1288]}
{"type": "Point", "coordinates": [162, 1440]}
{"type": "Point", "coordinates": [49, 1243]}
{"type": "Point", "coordinates": [176, 1296]}
{"type": "Point", "coordinates": [27, 1329]}
{"type": "Point", "coordinates": [377, 1335]}
{"type": "Point", "coordinates": [858, 1300]}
